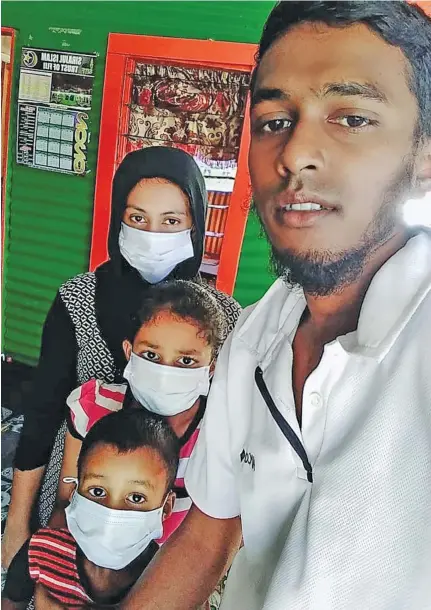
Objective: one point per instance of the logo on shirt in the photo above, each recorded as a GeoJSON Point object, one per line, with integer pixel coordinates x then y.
{"type": "Point", "coordinates": [247, 458]}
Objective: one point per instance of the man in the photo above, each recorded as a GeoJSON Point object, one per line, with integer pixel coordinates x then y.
{"type": "Point", "coordinates": [316, 445]}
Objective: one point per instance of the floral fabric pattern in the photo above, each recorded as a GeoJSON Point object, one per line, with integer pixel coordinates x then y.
{"type": "Point", "coordinates": [199, 110]}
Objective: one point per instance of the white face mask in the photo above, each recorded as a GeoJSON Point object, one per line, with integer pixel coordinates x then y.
{"type": "Point", "coordinates": [108, 537]}
{"type": "Point", "coordinates": [154, 255]}
{"type": "Point", "coordinates": [166, 390]}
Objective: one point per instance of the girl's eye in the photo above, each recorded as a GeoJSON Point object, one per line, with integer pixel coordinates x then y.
{"type": "Point", "coordinates": [97, 492]}
{"type": "Point", "coordinates": [148, 355]}
{"type": "Point", "coordinates": [186, 361]}
{"type": "Point", "coordinates": [353, 121]}
{"type": "Point", "coordinates": [276, 125]}
{"type": "Point", "coordinates": [172, 222]}
{"type": "Point", "coordinates": [137, 218]}
{"type": "Point", "coordinates": [136, 498]}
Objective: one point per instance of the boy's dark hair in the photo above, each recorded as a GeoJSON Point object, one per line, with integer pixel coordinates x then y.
{"type": "Point", "coordinates": [399, 23]}
{"type": "Point", "coordinates": [131, 429]}
{"type": "Point", "coordinates": [188, 301]}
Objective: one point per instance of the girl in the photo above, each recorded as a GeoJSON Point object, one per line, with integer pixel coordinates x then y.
{"type": "Point", "coordinates": [171, 349]}
{"type": "Point", "coordinates": [157, 231]}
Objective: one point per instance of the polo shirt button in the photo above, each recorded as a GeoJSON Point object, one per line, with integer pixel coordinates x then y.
{"type": "Point", "coordinates": [315, 400]}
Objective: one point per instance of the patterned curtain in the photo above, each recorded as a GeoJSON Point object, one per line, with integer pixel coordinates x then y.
{"type": "Point", "coordinates": [199, 110]}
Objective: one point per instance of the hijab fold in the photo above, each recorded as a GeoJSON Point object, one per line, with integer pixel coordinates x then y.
{"type": "Point", "coordinates": [119, 287]}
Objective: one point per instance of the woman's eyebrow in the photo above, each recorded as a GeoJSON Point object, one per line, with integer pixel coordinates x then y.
{"type": "Point", "coordinates": [174, 212]}
{"type": "Point", "coordinates": [135, 207]}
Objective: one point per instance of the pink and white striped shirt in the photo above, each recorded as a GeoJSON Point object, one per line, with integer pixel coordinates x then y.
{"type": "Point", "coordinates": [95, 399]}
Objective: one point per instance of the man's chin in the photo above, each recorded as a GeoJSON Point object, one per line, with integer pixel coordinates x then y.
{"type": "Point", "coordinates": [319, 272]}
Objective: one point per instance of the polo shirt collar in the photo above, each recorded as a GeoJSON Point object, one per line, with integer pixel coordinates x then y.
{"type": "Point", "coordinates": [275, 317]}
{"type": "Point", "coordinates": [395, 293]}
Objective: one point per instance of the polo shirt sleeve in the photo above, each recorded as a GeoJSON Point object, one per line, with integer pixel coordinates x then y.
{"type": "Point", "coordinates": [210, 478]}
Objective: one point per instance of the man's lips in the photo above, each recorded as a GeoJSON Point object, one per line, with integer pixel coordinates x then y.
{"type": "Point", "coordinates": [301, 211]}
{"type": "Point", "coordinates": [303, 202]}
{"type": "Point", "coordinates": [308, 206]}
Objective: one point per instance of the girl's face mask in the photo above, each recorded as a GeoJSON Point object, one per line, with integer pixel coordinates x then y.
{"type": "Point", "coordinates": [166, 390]}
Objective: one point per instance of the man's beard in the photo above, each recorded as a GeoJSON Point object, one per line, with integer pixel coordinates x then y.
{"type": "Point", "coordinates": [322, 273]}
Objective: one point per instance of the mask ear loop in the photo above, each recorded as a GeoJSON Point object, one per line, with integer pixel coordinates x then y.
{"type": "Point", "coordinates": [74, 481]}
{"type": "Point", "coordinates": [211, 367]}
{"type": "Point", "coordinates": [165, 500]}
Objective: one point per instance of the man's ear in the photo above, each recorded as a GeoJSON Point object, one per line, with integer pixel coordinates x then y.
{"type": "Point", "coordinates": [127, 349]}
{"type": "Point", "coordinates": [423, 171]}
{"type": "Point", "coordinates": [169, 505]}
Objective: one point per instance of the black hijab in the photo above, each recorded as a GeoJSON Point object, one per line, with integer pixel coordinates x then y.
{"type": "Point", "coordinates": [119, 287]}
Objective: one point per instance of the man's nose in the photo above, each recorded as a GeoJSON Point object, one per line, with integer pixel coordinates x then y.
{"type": "Point", "coordinates": [302, 149]}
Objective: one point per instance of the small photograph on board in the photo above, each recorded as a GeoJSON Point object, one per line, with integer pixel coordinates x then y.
{"type": "Point", "coordinates": [71, 90]}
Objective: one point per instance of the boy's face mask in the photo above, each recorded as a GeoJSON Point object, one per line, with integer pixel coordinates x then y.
{"type": "Point", "coordinates": [108, 537]}
{"type": "Point", "coordinates": [154, 255]}
{"type": "Point", "coordinates": [166, 390]}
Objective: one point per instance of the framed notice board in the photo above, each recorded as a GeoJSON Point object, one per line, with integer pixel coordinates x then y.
{"type": "Point", "coordinates": [54, 97]}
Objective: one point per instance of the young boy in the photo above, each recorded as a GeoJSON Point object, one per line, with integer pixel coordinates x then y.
{"type": "Point", "coordinates": [126, 469]}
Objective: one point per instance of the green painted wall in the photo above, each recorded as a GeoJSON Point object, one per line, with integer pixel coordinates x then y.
{"type": "Point", "coordinates": [254, 276]}
{"type": "Point", "coordinates": [48, 215]}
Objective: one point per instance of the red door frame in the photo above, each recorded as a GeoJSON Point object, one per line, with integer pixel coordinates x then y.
{"type": "Point", "coordinates": [425, 5]}
{"type": "Point", "coordinates": [7, 94]}
{"type": "Point", "coordinates": [206, 53]}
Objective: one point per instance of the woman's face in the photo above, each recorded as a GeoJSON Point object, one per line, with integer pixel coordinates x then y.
{"type": "Point", "coordinates": [158, 206]}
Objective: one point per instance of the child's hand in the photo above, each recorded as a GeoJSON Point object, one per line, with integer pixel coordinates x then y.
{"type": "Point", "coordinates": [43, 601]}
{"type": "Point", "coordinates": [15, 535]}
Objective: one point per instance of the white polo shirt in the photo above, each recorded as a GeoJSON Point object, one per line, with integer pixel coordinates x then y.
{"type": "Point", "coordinates": [359, 535]}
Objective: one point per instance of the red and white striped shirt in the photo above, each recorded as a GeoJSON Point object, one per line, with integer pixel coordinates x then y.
{"type": "Point", "coordinates": [95, 399]}
{"type": "Point", "coordinates": [52, 563]}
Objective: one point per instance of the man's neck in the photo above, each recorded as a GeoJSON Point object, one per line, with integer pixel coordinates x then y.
{"type": "Point", "coordinates": [338, 314]}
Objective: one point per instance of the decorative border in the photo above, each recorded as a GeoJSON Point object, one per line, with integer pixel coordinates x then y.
{"type": "Point", "coordinates": [5, 31]}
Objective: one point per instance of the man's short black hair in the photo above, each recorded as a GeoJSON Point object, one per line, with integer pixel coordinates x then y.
{"type": "Point", "coordinates": [186, 300]}
{"type": "Point", "coordinates": [399, 23]}
{"type": "Point", "coordinates": [131, 429]}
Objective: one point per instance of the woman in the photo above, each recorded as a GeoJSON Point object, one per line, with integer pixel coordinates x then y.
{"type": "Point", "coordinates": [157, 231]}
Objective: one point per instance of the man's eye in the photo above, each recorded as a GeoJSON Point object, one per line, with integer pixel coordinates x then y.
{"type": "Point", "coordinates": [186, 361]}
{"type": "Point", "coordinates": [97, 492]}
{"type": "Point", "coordinates": [148, 355]}
{"type": "Point", "coordinates": [276, 125]}
{"type": "Point", "coordinates": [135, 498]}
{"type": "Point", "coordinates": [353, 121]}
